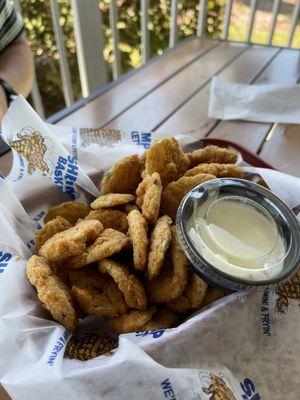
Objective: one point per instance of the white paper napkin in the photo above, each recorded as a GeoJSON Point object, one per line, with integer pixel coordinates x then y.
{"type": "Point", "coordinates": [261, 103]}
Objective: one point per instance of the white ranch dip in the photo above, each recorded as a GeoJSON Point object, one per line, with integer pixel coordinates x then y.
{"type": "Point", "coordinates": [237, 236]}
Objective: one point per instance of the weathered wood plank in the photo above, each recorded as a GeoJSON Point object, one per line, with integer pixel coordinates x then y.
{"type": "Point", "coordinates": [113, 102]}
{"type": "Point", "coordinates": [193, 116]}
{"type": "Point", "coordinates": [148, 113]}
{"type": "Point", "coordinates": [284, 69]}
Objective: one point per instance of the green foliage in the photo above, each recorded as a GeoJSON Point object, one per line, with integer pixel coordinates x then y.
{"type": "Point", "coordinates": [37, 18]}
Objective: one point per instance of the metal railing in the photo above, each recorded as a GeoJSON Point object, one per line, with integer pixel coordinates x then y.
{"type": "Point", "coordinates": [89, 39]}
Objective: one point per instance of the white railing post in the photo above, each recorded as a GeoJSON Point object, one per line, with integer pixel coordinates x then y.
{"type": "Point", "coordinates": [113, 19]}
{"type": "Point", "coordinates": [275, 10]}
{"type": "Point", "coordinates": [201, 24]}
{"type": "Point", "coordinates": [63, 60]}
{"type": "Point", "coordinates": [35, 93]}
{"type": "Point", "coordinates": [37, 99]}
{"type": "Point", "coordinates": [253, 6]}
{"type": "Point", "coordinates": [145, 39]}
{"type": "Point", "coordinates": [293, 23]}
{"type": "Point", "coordinates": [173, 23]}
{"type": "Point", "coordinates": [89, 44]}
{"type": "Point", "coordinates": [227, 15]}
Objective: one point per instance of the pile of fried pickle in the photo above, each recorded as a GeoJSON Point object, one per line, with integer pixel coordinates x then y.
{"type": "Point", "coordinates": [120, 258]}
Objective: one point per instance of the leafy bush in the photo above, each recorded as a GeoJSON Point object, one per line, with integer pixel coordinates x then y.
{"type": "Point", "coordinates": [37, 18]}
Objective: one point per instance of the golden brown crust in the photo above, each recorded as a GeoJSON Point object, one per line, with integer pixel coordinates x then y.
{"type": "Point", "coordinates": [138, 235]}
{"type": "Point", "coordinates": [192, 296]}
{"type": "Point", "coordinates": [131, 322]}
{"type": "Point", "coordinates": [195, 290]}
{"type": "Point", "coordinates": [159, 243]}
{"type": "Point", "coordinates": [72, 211]}
{"type": "Point", "coordinates": [181, 304]}
{"type": "Point", "coordinates": [79, 256]}
{"type": "Point", "coordinates": [148, 197]}
{"type": "Point", "coordinates": [108, 243]}
{"type": "Point", "coordinates": [162, 319]}
{"type": "Point", "coordinates": [123, 177]}
{"type": "Point", "coordinates": [52, 292]}
{"type": "Point", "coordinates": [212, 154]}
{"type": "Point", "coordinates": [52, 227]}
{"type": "Point", "coordinates": [97, 294]}
{"type": "Point", "coordinates": [212, 295]}
{"type": "Point", "coordinates": [72, 241]}
{"type": "Point", "coordinates": [114, 219]}
{"type": "Point", "coordinates": [128, 284]}
{"type": "Point", "coordinates": [175, 192]}
{"type": "Point", "coordinates": [111, 200]}
{"type": "Point", "coordinates": [166, 157]}
{"type": "Point", "coordinates": [130, 207]}
{"type": "Point", "coordinates": [171, 283]}
{"type": "Point", "coordinates": [219, 170]}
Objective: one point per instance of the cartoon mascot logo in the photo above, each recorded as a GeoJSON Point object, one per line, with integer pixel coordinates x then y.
{"type": "Point", "coordinates": [289, 290]}
{"type": "Point", "coordinates": [31, 145]}
{"type": "Point", "coordinates": [218, 389]}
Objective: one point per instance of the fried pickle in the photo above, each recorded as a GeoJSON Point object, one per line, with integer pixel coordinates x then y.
{"type": "Point", "coordinates": [219, 170]}
{"type": "Point", "coordinates": [108, 243]}
{"type": "Point", "coordinates": [123, 177]}
{"type": "Point", "coordinates": [213, 294]}
{"type": "Point", "coordinates": [97, 294]}
{"type": "Point", "coordinates": [166, 157]}
{"type": "Point", "coordinates": [131, 322]}
{"type": "Point", "coordinates": [72, 211]}
{"type": "Point", "coordinates": [159, 243]}
{"type": "Point", "coordinates": [171, 282]}
{"type": "Point", "coordinates": [70, 242]}
{"type": "Point", "coordinates": [148, 197]}
{"type": "Point", "coordinates": [128, 284]}
{"type": "Point", "coordinates": [52, 227]}
{"type": "Point", "coordinates": [212, 154]}
{"type": "Point", "coordinates": [162, 319]}
{"type": "Point", "coordinates": [138, 235]}
{"type": "Point", "coordinates": [192, 296]}
{"type": "Point", "coordinates": [175, 192]}
{"type": "Point", "coordinates": [114, 219]}
{"type": "Point", "coordinates": [52, 292]}
{"type": "Point", "coordinates": [111, 200]}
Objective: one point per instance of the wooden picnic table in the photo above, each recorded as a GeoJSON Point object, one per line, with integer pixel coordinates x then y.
{"type": "Point", "coordinates": [170, 95]}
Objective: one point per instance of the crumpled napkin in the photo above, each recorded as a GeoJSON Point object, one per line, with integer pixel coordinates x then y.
{"type": "Point", "coordinates": [260, 103]}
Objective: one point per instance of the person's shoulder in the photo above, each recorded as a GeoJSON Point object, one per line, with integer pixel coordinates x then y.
{"type": "Point", "coordinates": [11, 24]}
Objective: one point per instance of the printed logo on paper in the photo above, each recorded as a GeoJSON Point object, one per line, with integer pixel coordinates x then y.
{"type": "Point", "coordinates": [142, 138]}
{"type": "Point", "coordinates": [59, 345]}
{"type": "Point", "coordinates": [102, 137]}
{"type": "Point", "coordinates": [31, 145]}
{"type": "Point", "coordinates": [265, 314]}
{"type": "Point", "coordinates": [155, 333]}
{"type": "Point", "coordinates": [215, 386]}
{"type": "Point", "coordinates": [288, 291]}
{"type": "Point", "coordinates": [4, 260]}
{"type": "Point", "coordinates": [218, 389]}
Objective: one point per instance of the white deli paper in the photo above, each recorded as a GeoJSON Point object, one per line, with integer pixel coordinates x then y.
{"type": "Point", "coordinates": [243, 347]}
{"type": "Point", "coordinates": [260, 103]}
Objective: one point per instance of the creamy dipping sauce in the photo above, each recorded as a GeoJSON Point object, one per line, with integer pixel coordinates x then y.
{"type": "Point", "coordinates": [237, 236]}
